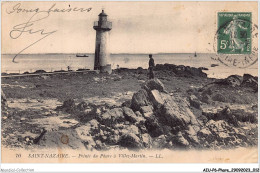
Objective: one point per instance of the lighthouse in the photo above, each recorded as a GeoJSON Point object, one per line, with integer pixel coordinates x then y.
{"type": "Point", "coordinates": [102, 54]}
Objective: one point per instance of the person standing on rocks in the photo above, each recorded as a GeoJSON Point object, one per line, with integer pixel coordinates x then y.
{"type": "Point", "coordinates": [151, 66]}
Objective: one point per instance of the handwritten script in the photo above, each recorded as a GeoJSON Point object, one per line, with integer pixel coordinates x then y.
{"type": "Point", "coordinates": [38, 15]}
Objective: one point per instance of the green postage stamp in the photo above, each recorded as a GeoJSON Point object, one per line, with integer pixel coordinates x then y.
{"type": "Point", "coordinates": [234, 33]}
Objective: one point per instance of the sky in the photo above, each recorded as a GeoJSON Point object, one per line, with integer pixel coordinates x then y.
{"type": "Point", "coordinates": [138, 27]}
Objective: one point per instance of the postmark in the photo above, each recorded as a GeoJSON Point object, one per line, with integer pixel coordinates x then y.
{"type": "Point", "coordinates": [235, 39]}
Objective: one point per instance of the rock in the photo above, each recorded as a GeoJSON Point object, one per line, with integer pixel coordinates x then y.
{"type": "Point", "coordinates": [146, 111]}
{"type": "Point", "coordinates": [3, 100]}
{"type": "Point", "coordinates": [112, 117]}
{"type": "Point", "coordinates": [206, 137]}
{"type": "Point", "coordinates": [159, 142]}
{"type": "Point", "coordinates": [138, 114]}
{"type": "Point", "coordinates": [90, 128]}
{"type": "Point", "coordinates": [191, 135]}
{"type": "Point", "coordinates": [94, 124]}
{"type": "Point", "coordinates": [22, 119]}
{"type": "Point", "coordinates": [130, 141]}
{"type": "Point", "coordinates": [219, 97]}
{"type": "Point", "coordinates": [160, 109]}
{"type": "Point", "coordinates": [4, 117]}
{"type": "Point", "coordinates": [131, 116]}
{"type": "Point", "coordinates": [194, 101]}
{"type": "Point", "coordinates": [45, 77]}
{"type": "Point", "coordinates": [153, 126]}
{"type": "Point", "coordinates": [127, 103]}
{"type": "Point", "coordinates": [232, 116]}
{"type": "Point", "coordinates": [248, 76]}
{"type": "Point", "coordinates": [156, 99]}
{"type": "Point", "coordinates": [181, 70]}
{"type": "Point", "coordinates": [180, 141]}
{"type": "Point", "coordinates": [205, 132]}
{"type": "Point", "coordinates": [206, 98]}
{"type": "Point", "coordinates": [234, 80]}
{"type": "Point", "coordinates": [224, 134]}
{"type": "Point", "coordinates": [244, 116]}
{"type": "Point", "coordinates": [68, 106]}
{"type": "Point", "coordinates": [250, 81]}
{"type": "Point", "coordinates": [98, 111]}
{"type": "Point", "coordinates": [217, 126]}
{"type": "Point", "coordinates": [140, 99]}
{"type": "Point", "coordinates": [154, 84]}
{"type": "Point", "coordinates": [133, 129]}
{"type": "Point", "coordinates": [147, 140]}
{"type": "Point", "coordinates": [112, 139]}
{"type": "Point", "coordinates": [172, 114]}
{"type": "Point", "coordinates": [87, 111]}
{"type": "Point", "coordinates": [82, 106]}
{"type": "Point", "coordinates": [100, 145]}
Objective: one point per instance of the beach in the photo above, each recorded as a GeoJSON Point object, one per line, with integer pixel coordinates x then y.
{"type": "Point", "coordinates": [100, 111]}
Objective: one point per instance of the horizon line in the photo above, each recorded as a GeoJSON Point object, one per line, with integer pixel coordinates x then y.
{"type": "Point", "coordinates": [110, 53]}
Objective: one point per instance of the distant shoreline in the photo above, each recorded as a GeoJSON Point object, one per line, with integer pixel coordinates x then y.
{"type": "Point", "coordinates": [94, 53]}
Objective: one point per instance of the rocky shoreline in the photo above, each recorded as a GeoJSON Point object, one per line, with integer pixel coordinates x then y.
{"type": "Point", "coordinates": [180, 109]}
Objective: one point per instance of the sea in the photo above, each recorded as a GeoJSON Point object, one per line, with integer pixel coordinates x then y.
{"type": "Point", "coordinates": [54, 62]}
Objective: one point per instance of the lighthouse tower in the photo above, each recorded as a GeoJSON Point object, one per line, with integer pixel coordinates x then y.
{"type": "Point", "coordinates": [102, 27]}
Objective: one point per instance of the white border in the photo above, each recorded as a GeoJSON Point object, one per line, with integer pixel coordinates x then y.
{"type": "Point", "coordinates": [127, 167]}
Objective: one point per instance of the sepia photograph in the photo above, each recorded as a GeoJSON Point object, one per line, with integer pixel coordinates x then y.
{"type": "Point", "coordinates": [129, 82]}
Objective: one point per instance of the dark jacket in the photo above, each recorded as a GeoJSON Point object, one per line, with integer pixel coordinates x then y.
{"type": "Point", "coordinates": [151, 62]}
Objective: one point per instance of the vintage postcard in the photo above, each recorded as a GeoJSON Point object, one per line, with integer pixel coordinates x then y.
{"type": "Point", "coordinates": [129, 82]}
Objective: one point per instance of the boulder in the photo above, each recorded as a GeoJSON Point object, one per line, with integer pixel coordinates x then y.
{"type": "Point", "coordinates": [160, 109]}
{"type": "Point", "coordinates": [205, 98]}
{"type": "Point", "coordinates": [133, 129]}
{"type": "Point", "coordinates": [156, 98]}
{"type": "Point", "coordinates": [206, 137]}
{"type": "Point", "coordinates": [112, 139]}
{"type": "Point", "coordinates": [180, 141]}
{"type": "Point", "coordinates": [250, 81]}
{"type": "Point", "coordinates": [219, 97]}
{"type": "Point", "coordinates": [130, 141]}
{"type": "Point", "coordinates": [247, 77]}
{"type": "Point", "coordinates": [94, 124]}
{"type": "Point", "coordinates": [112, 117]}
{"type": "Point", "coordinates": [234, 80]}
{"type": "Point", "coordinates": [67, 106]}
{"type": "Point", "coordinates": [138, 114]}
{"type": "Point", "coordinates": [127, 103]}
{"type": "Point", "coordinates": [160, 142]}
{"type": "Point", "coordinates": [173, 115]}
{"type": "Point", "coordinates": [82, 106]}
{"type": "Point", "coordinates": [194, 101]}
{"type": "Point", "coordinates": [140, 99]}
{"type": "Point", "coordinates": [191, 135]}
{"type": "Point", "coordinates": [181, 70]}
{"type": "Point", "coordinates": [146, 111]}
{"type": "Point", "coordinates": [154, 84]}
{"type": "Point", "coordinates": [147, 140]}
{"type": "Point", "coordinates": [153, 126]}
{"type": "Point", "coordinates": [131, 116]}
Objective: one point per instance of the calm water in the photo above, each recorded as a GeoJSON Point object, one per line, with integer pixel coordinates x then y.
{"type": "Point", "coordinates": [51, 62]}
